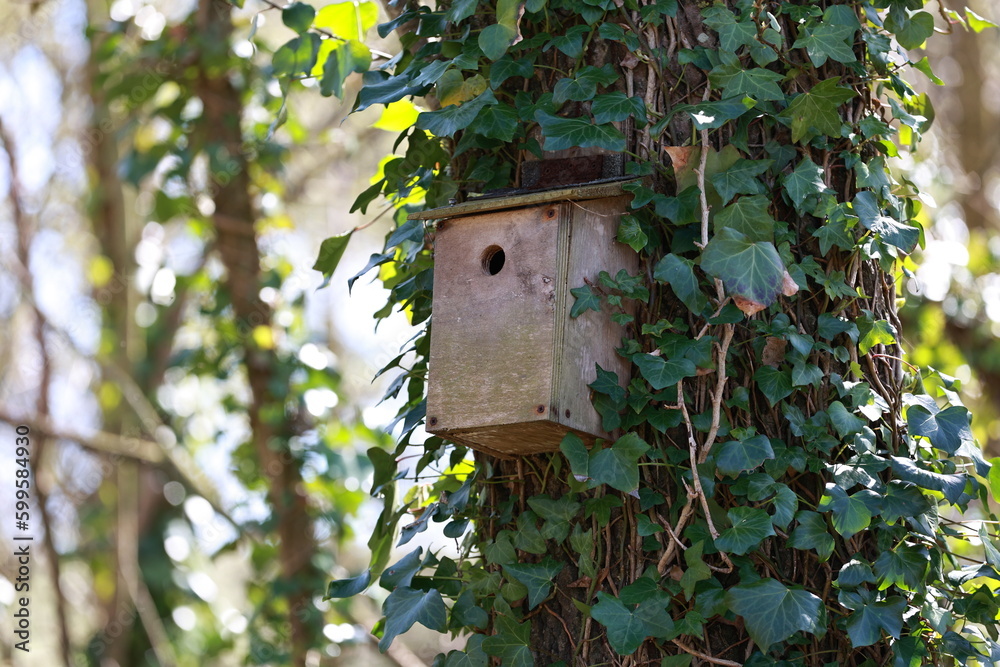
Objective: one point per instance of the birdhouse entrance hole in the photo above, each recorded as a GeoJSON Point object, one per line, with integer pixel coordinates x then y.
{"type": "Point", "coordinates": [493, 260]}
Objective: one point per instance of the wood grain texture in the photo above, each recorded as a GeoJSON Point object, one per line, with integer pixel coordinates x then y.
{"type": "Point", "coordinates": [509, 368]}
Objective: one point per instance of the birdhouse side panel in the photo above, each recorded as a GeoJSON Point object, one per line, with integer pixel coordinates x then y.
{"type": "Point", "coordinates": [492, 320]}
{"type": "Point", "coordinates": [593, 337]}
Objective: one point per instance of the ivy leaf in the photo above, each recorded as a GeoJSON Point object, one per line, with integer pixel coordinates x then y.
{"type": "Point", "coordinates": [748, 215]}
{"type": "Point", "coordinates": [536, 577]}
{"type": "Point", "coordinates": [712, 115]}
{"type": "Point", "coordinates": [494, 40]}
{"type": "Point", "coordinates": [618, 465]}
{"type": "Point", "coordinates": [616, 107]}
{"type": "Point", "coordinates": [585, 300]}
{"type": "Point", "coordinates": [851, 514]}
{"type": "Point", "coordinates": [827, 40]}
{"type": "Point", "coordinates": [406, 606]}
{"type": "Point", "coordinates": [812, 533]}
{"type": "Point", "coordinates": [510, 641]}
{"type": "Point", "coordinates": [330, 253]}
{"type": "Point", "coordinates": [679, 274]}
{"type": "Point", "coordinates": [558, 515]}
{"type": "Point", "coordinates": [773, 383]}
{"type": "Point", "coordinates": [347, 588]}
{"type": "Point", "coordinates": [298, 16]}
{"type": "Point", "coordinates": [381, 89]}
{"type": "Point", "coordinates": [736, 456]}
{"type": "Point", "coordinates": [806, 180]}
{"type": "Point", "coordinates": [773, 613]}
{"type": "Point", "coordinates": [889, 229]}
{"type": "Point", "coordinates": [561, 133]}
{"type": "Point", "coordinates": [752, 270]}
{"type": "Point", "coordinates": [348, 20]}
{"type": "Point", "coordinates": [696, 570]}
{"type": "Point", "coordinates": [582, 87]}
{"type": "Point", "coordinates": [952, 486]}
{"type": "Point", "coordinates": [661, 373]}
{"type": "Point", "coordinates": [732, 34]}
{"type": "Point", "coordinates": [870, 618]}
{"type": "Point", "coordinates": [758, 83]}
{"type": "Point", "coordinates": [903, 567]}
{"type": "Point", "coordinates": [628, 628]}
{"type": "Point", "coordinates": [815, 111]}
{"type": "Point", "coordinates": [843, 421]}
{"type": "Point", "coordinates": [902, 500]}
{"type": "Point", "coordinates": [296, 56]}
{"type": "Point", "coordinates": [570, 42]}
{"type": "Point", "coordinates": [947, 430]}
{"type": "Point", "coordinates": [741, 179]}
{"type": "Point", "coordinates": [786, 503]}
{"type": "Point", "coordinates": [507, 67]}
{"type": "Point", "coordinates": [911, 30]}
{"type": "Point", "coordinates": [874, 332]}
{"type": "Point", "coordinates": [449, 120]}
{"type": "Point", "coordinates": [631, 234]}
{"type": "Point", "coordinates": [402, 572]}
{"type": "Point", "coordinates": [750, 526]}
{"type": "Point", "coordinates": [496, 122]}
{"type": "Point", "coordinates": [347, 58]}
{"type": "Point", "coordinates": [472, 656]}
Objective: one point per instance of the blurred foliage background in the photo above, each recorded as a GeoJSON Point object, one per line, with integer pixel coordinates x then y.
{"type": "Point", "coordinates": [199, 409]}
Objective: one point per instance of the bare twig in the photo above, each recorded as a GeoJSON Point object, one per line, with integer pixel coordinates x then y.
{"type": "Point", "coordinates": [704, 656]}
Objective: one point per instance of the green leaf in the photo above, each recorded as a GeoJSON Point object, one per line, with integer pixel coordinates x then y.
{"type": "Point", "coordinates": [558, 515]}
{"type": "Point", "coordinates": [827, 40]}
{"type": "Point", "coordinates": [331, 251]}
{"type": "Point", "coordinates": [977, 22]}
{"type": "Point", "coordinates": [712, 115]}
{"type": "Point", "coordinates": [561, 133]}
{"type": "Point", "coordinates": [449, 120]}
{"type": "Point", "coordinates": [812, 533]}
{"type": "Point", "coordinates": [843, 421]}
{"type": "Point", "coordinates": [631, 234]}
{"type": "Point", "coordinates": [347, 588]}
{"type": "Point", "coordinates": [815, 111]}
{"type": "Point", "coordinates": [947, 430]}
{"type": "Point", "coordinates": [348, 20]}
{"type": "Point", "coordinates": [870, 618]}
{"type": "Point", "coordinates": [696, 570]}
{"type": "Point", "coordinates": [402, 572]}
{"type": "Point", "coordinates": [472, 656]}
{"type": "Point", "coordinates": [679, 274]}
{"type": "Point", "coordinates": [924, 65]}
{"type": "Point", "coordinates": [297, 56]}
{"type": "Point", "coordinates": [616, 107]}
{"type": "Point", "coordinates": [806, 180]}
{"type": "Point", "coordinates": [774, 384]}
{"type": "Point", "coordinates": [496, 122]}
{"type": "Point", "coordinates": [786, 504]}
{"type": "Point", "coordinates": [507, 67]}
{"type": "Point", "coordinates": [536, 577]}
{"type": "Point", "coordinates": [386, 91]}
{"type": "Point", "coordinates": [830, 325]}
{"type": "Point", "coordinates": [570, 42]}
{"type": "Point", "coordinates": [752, 270]}
{"type": "Point", "coordinates": [511, 642]}
{"type": "Point", "coordinates": [406, 606]}
{"type": "Point", "coordinates": [736, 456]}
{"type": "Point", "coordinates": [911, 30]}
{"type": "Point", "coordinates": [874, 332]}
{"type": "Point", "coordinates": [903, 567]}
{"type": "Point", "coordinates": [901, 501]}
{"type": "Point", "coordinates": [298, 16]}
{"type": "Point", "coordinates": [628, 628]}
{"type": "Point", "coordinates": [758, 83]}
{"type": "Point", "coordinates": [732, 34]}
{"type": "Point", "coordinates": [889, 229]}
{"type": "Point", "coordinates": [952, 486]}
{"type": "Point", "coordinates": [585, 300]}
{"type": "Point", "coordinates": [773, 613]}
{"type": "Point", "coordinates": [750, 526]}
{"type": "Point", "coordinates": [495, 39]}
{"type": "Point", "coordinates": [741, 179]}
{"type": "Point", "coordinates": [748, 215]}
{"type": "Point", "coordinates": [618, 465]}
{"type": "Point", "coordinates": [582, 86]}
{"type": "Point", "coordinates": [851, 514]}
{"type": "Point", "coordinates": [347, 58]}
{"type": "Point", "coordinates": [661, 373]}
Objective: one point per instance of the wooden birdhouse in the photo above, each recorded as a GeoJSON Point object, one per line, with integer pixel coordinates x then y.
{"type": "Point", "coordinates": [509, 367]}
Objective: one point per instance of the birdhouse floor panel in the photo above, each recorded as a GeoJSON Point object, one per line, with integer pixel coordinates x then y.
{"type": "Point", "coordinates": [512, 440]}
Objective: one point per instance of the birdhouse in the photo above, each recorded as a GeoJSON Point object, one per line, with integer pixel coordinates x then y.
{"type": "Point", "coordinates": [509, 367]}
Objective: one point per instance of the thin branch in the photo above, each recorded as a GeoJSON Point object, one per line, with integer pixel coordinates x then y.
{"type": "Point", "coordinates": [704, 656]}
{"type": "Point", "coordinates": [99, 441]}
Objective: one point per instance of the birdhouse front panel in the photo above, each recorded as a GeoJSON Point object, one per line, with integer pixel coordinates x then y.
{"type": "Point", "coordinates": [509, 367]}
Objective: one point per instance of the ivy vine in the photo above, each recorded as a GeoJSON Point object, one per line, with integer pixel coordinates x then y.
{"type": "Point", "coordinates": [785, 488]}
